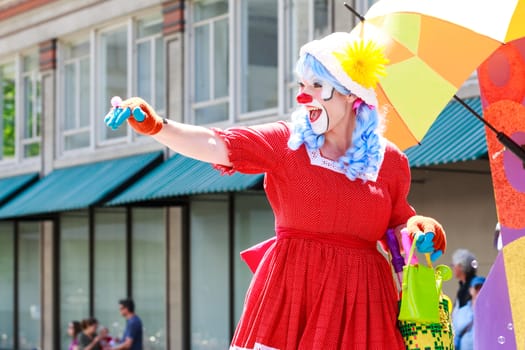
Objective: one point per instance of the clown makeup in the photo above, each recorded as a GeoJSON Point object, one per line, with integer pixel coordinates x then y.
{"type": "Point", "coordinates": [309, 98]}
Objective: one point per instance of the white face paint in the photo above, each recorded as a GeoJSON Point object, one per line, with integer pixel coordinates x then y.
{"type": "Point", "coordinates": [318, 117]}
{"type": "Point", "coordinates": [317, 113]}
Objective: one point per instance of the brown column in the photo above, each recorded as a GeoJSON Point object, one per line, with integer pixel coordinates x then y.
{"type": "Point", "coordinates": [176, 281]}
{"type": "Point", "coordinates": [173, 13]}
{"type": "Point", "coordinates": [48, 288]}
{"type": "Point", "coordinates": [47, 54]}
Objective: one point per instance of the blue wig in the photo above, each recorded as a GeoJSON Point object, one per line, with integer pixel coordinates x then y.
{"type": "Point", "coordinates": [363, 159]}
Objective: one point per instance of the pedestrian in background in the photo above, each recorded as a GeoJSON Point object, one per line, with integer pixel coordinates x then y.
{"type": "Point", "coordinates": [133, 334]}
{"type": "Point", "coordinates": [73, 330]}
{"type": "Point", "coordinates": [464, 318]}
{"type": "Point", "coordinates": [88, 338]}
{"type": "Point", "coordinates": [465, 267]}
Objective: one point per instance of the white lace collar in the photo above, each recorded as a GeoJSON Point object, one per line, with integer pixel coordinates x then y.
{"type": "Point", "coordinates": [317, 159]}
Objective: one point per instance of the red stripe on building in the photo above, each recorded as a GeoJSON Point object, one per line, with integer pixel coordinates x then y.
{"type": "Point", "coordinates": [19, 7]}
{"type": "Point", "coordinates": [47, 54]}
{"type": "Point", "coordinates": [173, 17]}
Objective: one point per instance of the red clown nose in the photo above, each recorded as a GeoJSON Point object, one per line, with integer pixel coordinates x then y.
{"type": "Point", "coordinates": [303, 98]}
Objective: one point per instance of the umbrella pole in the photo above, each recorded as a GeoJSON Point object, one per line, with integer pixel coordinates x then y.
{"type": "Point", "coordinates": [503, 138]}
{"type": "Point", "coordinates": [357, 14]}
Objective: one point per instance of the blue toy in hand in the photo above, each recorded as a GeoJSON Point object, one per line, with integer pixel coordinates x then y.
{"type": "Point", "coordinates": [429, 235]}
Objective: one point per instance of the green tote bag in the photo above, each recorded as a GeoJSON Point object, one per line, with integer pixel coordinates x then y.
{"type": "Point", "coordinates": [420, 294]}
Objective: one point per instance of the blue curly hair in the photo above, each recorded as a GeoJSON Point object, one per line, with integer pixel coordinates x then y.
{"type": "Point", "coordinates": [365, 155]}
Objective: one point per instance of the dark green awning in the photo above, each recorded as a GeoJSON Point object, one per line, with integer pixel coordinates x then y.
{"type": "Point", "coordinates": [455, 136]}
{"type": "Point", "coordinates": [181, 176]}
{"type": "Point", "coordinates": [80, 186]}
{"type": "Point", "coordinates": [10, 186]}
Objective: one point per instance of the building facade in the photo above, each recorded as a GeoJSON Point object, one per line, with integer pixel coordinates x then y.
{"type": "Point", "coordinates": [89, 215]}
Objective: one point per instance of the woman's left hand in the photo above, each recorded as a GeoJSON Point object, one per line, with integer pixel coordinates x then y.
{"type": "Point", "coordinates": [429, 235]}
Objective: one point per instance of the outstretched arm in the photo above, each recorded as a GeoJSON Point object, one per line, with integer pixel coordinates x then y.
{"type": "Point", "coordinates": [194, 141]}
{"type": "Point", "coordinates": [190, 140]}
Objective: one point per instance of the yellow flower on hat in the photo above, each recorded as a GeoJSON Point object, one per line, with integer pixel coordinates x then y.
{"type": "Point", "coordinates": [364, 62]}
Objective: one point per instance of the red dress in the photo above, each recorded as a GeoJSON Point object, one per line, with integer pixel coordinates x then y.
{"type": "Point", "coordinates": [323, 284]}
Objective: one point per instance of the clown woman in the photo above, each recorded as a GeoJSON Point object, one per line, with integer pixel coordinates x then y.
{"type": "Point", "coordinates": [335, 185]}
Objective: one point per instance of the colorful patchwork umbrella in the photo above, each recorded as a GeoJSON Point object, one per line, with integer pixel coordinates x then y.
{"type": "Point", "coordinates": [433, 47]}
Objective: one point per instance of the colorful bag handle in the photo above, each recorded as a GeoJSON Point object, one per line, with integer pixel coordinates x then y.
{"type": "Point", "coordinates": [420, 297]}
{"type": "Point", "coordinates": [412, 250]}
{"type": "Point", "coordinates": [406, 241]}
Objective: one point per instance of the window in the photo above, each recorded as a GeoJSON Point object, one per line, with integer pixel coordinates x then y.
{"type": "Point", "coordinates": [94, 69]}
{"type": "Point", "coordinates": [20, 268]}
{"type": "Point", "coordinates": [7, 110]}
{"type": "Point", "coordinates": [112, 74]}
{"type": "Point", "coordinates": [254, 223]}
{"type": "Point", "coordinates": [7, 282]}
{"type": "Point", "coordinates": [209, 275]}
{"type": "Point", "coordinates": [109, 266]}
{"type": "Point", "coordinates": [123, 260]}
{"type": "Point", "coordinates": [307, 20]}
{"type": "Point", "coordinates": [211, 82]}
{"type": "Point", "coordinates": [243, 55]}
{"type": "Point", "coordinates": [77, 96]}
{"type": "Point", "coordinates": [20, 128]}
{"type": "Point", "coordinates": [363, 5]}
{"type": "Point", "coordinates": [32, 112]}
{"type": "Point", "coordinates": [74, 271]}
{"type": "Point", "coordinates": [150, 75]}
{"type": "Point", "coordinates": [258, 51]}
{"type": "Point", "coordinates": [148, 273]}
{"type": "Point", "coordinates": [29, 317]}
{"type": "Point", "coordinates": [218, 277]}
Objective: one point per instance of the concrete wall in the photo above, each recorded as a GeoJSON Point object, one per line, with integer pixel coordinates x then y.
{"type": "Point", "coordinates": [63, 17]}
{"type": "Point", "coordinates": [460, 196]}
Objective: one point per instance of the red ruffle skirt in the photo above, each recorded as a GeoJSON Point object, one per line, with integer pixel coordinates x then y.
{"type": "Point", "coordinates": [319, 291]}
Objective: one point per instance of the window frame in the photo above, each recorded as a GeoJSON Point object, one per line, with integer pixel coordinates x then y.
{"type": "Point", "coordinates": [288, 60]}
{"type": "Point", "coordinates": [60, 108]}
{"type": "Point", "coordinates": [190, 90]}
{"type": "Point", "coordinates": [246, 116]}
{"type": "Point", "coordinates": [10, 228]}
{"type": "Point", "coordinates": [14, 60]}
{"type": "Point", "coordinates": [97, 131]}
{"type": "Point", "coordinates": [36, 101]}
{"type": "Point", "coordinates": [95, 218]}
{"type": "Point", "coordinates": [284, 87]}
{"type": "Point", "coordinates": [18, 285]}
{"type": "Point", "coordinates": [19, 159]}
{"type": "Point", "coordinates": [102, 142]}
{"type": "Point", "coordinates": [152, 39]}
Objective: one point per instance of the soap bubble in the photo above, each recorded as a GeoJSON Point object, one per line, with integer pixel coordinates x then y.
{"type": "Point", "coordinates": [501, 339]}
{"type": "Point", "coordinates": [510, 326]}
{"type": "Point", "coordinates": [116, 101]}
{"type": "Point", "coordinates": [474, 264]}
